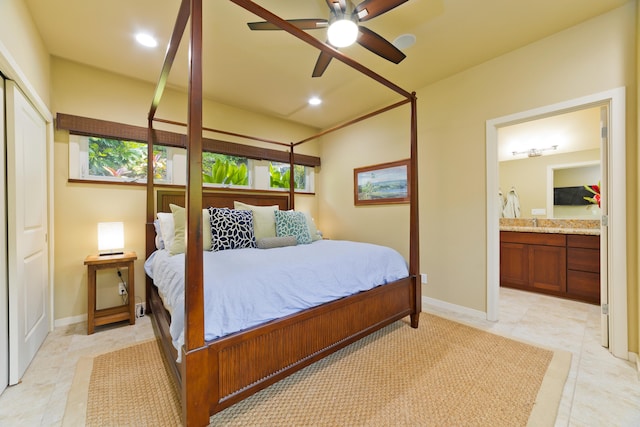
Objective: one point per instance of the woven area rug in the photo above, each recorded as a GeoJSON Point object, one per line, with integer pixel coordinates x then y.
{"type": "Point", "coordinates": [443, 373]}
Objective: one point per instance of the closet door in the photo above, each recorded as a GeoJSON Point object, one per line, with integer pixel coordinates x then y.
{"type": "Point", "coordinates": [27, 232]}
{"type": "Point", "coordinates": [4, 302]}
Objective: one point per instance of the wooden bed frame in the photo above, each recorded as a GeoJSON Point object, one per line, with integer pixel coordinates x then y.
{"type": "Point", "coordinates": [216, 374]}
{"type": "Point", "coordinates": [231, 361]}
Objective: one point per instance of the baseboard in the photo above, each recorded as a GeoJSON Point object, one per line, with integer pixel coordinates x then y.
{"type": "Point", "coordinates": [426, 301]}
{"type": "Point", "coordinates": [633, 358]}
{"type": "Point", "coordinates": [70, 320]}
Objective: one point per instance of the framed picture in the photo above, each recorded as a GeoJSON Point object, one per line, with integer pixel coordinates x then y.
{"type": "Point", "coordinates": [382, 184]}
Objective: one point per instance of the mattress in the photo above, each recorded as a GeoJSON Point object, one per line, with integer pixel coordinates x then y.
{"type": "Point", "coordinates": [247, 287]}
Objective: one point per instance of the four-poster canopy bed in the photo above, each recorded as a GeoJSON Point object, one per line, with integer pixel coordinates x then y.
{"type": "Point", "coordinates": [214, 374]}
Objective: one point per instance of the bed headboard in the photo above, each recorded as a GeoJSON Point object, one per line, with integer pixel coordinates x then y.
{"type": "Point", "coordinates": [222, 199]}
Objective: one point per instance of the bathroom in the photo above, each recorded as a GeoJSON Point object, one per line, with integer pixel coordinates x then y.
{"type": "Point", "coordinates": [549, 199]}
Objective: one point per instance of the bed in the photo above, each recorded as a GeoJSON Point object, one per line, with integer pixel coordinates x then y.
{"type": "Point", "coordinates": [214, 373]}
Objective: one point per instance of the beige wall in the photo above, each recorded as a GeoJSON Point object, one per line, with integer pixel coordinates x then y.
{"type": "Point", "coordinates": [364, 144]}
{"type": "Point", "coordinates": [89, 92]}
{"type": "Point", "coordinates": [21, 40]}
{"type": "Point", "coordinates": [597, 55]}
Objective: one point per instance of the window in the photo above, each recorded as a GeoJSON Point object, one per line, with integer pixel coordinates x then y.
{"type": "Point", "coordinates": [280, 176]}
{"type": "Point", "coordinates": [225, 170]}
{"type": "Point", "coordinates": [115, 160]}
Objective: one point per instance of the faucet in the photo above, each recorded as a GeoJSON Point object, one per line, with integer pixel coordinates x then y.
{"type": "Point", "coordinates": [535, 222]}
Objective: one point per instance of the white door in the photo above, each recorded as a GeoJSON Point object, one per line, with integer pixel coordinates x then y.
{"type": "Point", "coordinates": [27, 230]}
{"type": "Point", "coordinates": [604, 227]}
{"type": "Point", "coordinates": [4, 302]}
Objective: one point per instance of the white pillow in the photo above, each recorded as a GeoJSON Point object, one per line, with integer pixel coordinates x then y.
{"type": "Point", "coordinates": [159, 241]}
{"type": "Point", "coordinates": [264, 220]}
{"type": "Point", "coordinates": [166, 228]}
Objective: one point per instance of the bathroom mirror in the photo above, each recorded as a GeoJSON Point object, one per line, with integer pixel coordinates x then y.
{"type": "Point", "coordinates": [567, 196]}
{"type": "Point", "coordinates": [557, 152]}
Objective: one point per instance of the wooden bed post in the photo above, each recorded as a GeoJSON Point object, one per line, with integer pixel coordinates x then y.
{"type": "Point", "coordinates": [292, 179]}
{"type": "Point", "coordinates": [414, 228]}
{"type": "Point", "coordinates": [195, 396]}
{"type": "Point", "coordinates": [149, 228]}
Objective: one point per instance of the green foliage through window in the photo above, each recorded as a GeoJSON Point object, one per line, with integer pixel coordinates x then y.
{"type": "Point", "coordinates": [226, 170]}
{"type": "Point", "coordinates": [124, 159]}
{"type": "Point", "coordinates": [280, 175]}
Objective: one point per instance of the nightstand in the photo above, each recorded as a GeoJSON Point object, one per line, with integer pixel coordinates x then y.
{"type": "Point", "coordinates": [112, 314]}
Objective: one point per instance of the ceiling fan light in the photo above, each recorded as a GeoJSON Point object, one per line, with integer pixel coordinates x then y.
{"type": "Point", "coordinates": [342, 32]}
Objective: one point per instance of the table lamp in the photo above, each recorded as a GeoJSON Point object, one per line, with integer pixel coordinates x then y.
{"type": "Point", "coordinates": [110, 238]}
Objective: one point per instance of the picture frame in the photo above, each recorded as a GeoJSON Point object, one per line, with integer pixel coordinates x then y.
{"type": "Point", "coordinates": [385, 183]}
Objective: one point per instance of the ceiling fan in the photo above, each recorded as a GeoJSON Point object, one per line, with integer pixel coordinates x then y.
{"type": "Point", "coordinates": [343, 12]}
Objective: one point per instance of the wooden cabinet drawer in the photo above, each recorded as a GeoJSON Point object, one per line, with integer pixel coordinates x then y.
{"type": "Point", "coordinates": [584, 286]}
{"type": "Point", "coordinates": [583, 260]}
{"type": "Point", "coordinates": [546, 239]}
{"type": "Point", "coordinates": [583, 241]}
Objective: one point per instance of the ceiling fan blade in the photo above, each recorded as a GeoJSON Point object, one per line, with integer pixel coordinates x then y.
{"type": "Point", "coordinates": [303, 24]}
{"type": "Point", "coordinates": [321, 64]}
{"type": "Point", "coordinates": [378, 45]}
{"type": "Point", "coordinates": [371, 8]}
{"type": "Point", "coordinates": [341, 3]}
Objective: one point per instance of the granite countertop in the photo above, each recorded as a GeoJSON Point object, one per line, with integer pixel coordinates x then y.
{"type": "Point", "coordinates": [558, 226]}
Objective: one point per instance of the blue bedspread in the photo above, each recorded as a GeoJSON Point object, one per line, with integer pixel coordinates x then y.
{"type": "Point", "coordinates": [247, 287]}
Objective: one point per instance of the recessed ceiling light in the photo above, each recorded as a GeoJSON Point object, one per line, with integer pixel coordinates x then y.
{"type": "Point", "coordinates": [404, 41]}
{"type": "Point", "coordinates": [146, 40]}
{"type": "Point", "coordinates": [314, 100]}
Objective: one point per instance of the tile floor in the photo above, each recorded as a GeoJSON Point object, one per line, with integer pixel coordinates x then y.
{"type": "Point", "coordinates": [600, 391]}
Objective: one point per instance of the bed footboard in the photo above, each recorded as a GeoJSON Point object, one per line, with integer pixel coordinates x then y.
{"type": "Point", "coordinates": [239, 365]}
{"type": "Point", "coordinates": [244, 363]}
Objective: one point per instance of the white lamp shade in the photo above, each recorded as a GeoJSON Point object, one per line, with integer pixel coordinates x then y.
{"type": "Point", "coordinates": [110, 236]}
{"type": "Point", "coordinates": [342, 32]}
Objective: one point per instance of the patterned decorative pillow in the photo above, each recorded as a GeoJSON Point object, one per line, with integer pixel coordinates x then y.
{"type": "Point", "coordinates": [231, 229]}
{"type": "Point", "coordinates": [292, 223]}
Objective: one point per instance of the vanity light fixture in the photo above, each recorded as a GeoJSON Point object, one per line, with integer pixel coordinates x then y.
{"type": "Point", "coordinates": [535, 152]}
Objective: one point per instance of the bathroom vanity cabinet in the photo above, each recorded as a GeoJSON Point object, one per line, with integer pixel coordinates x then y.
{"type": "Point", "coordinates": [564, 265]}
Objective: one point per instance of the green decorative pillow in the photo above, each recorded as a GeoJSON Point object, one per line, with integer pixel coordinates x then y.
{"type": "Point", "coordinates": [292, 223]}
{"type": "Point", "coordinates": [180, 221]}
{"type": "Point", "coordinates": [264, 223]}
{"type": "Point", "coordinates": [177, 246]}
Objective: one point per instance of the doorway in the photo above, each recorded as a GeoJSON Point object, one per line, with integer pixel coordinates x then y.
{"type": "Point", "coordinates": [613, 221]}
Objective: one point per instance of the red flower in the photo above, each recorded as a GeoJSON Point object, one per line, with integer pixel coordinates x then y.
{"type": "Point", "coordinates": [595, 189]}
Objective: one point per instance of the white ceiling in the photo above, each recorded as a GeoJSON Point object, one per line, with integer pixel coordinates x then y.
{"type": "Point", "coordinates": [270, 71]}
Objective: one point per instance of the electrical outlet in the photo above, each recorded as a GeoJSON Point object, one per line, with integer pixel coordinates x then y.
{"type": "Point", "coordinates": [122, 290]}
{"type": "Point", "coordinates": [423, 278]}
{"type": "Point", "coordinates": [139, 310]}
